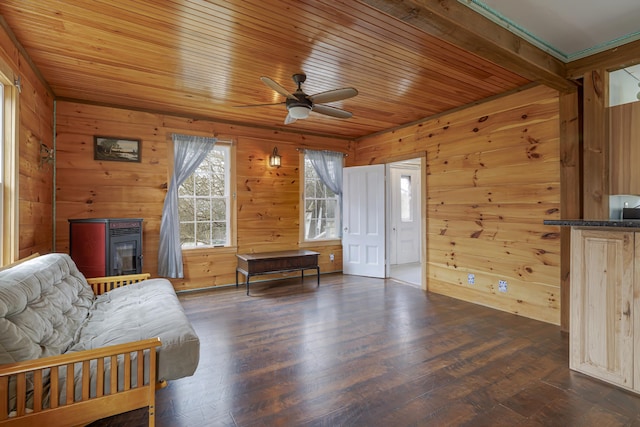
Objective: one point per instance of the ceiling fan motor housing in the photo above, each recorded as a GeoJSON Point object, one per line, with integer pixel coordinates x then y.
{"type": "Point", "coordinates": [301, 101]}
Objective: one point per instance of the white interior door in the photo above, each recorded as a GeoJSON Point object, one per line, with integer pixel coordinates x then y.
{"type": "Point", "coordinates": [363, 238]}
{"type": "Point", "coordinates": [405, 214]}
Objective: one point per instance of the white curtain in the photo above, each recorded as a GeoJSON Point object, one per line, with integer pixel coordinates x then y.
{"type": "Point", "coordinates": [188, 153]}
{"type": "Point", "coordinates": [328, 166]}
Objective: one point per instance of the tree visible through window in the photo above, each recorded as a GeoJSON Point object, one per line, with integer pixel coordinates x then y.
{"type": "Point", "coordinates": [321, 207]}
{"type": "Point", "coordinates": [204, 203]}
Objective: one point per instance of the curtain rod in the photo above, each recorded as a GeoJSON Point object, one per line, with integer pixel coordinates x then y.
{"type": "Point", "coordinates": [328, 151]}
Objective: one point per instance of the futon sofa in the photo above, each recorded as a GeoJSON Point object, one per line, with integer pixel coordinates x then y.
{"type": "Point", "coordinates": [74, 350]}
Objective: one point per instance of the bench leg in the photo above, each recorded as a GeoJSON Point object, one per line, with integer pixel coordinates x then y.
{"type": "Point", "coordinates": [248, 276]}
{"type": "Point", "coordinates": [236, 278]}
{"type": "Point", "coordinates": [318, 269]}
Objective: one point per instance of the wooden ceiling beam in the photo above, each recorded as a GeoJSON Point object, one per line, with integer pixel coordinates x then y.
{"type": "Point", "coordinates": [613, 59]}
{"type": "Point", "coordinates": [459, 25]}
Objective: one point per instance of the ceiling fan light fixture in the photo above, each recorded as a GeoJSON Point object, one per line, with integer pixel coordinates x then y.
{"type": "Point", "coordinates": [299, 111]}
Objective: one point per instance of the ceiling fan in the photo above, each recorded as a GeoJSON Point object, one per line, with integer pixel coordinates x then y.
{"type": "Point", "coordinates": [299, 104]}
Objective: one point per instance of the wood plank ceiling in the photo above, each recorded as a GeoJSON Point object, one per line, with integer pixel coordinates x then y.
{"type": "Point", "coordinates": [202, 58]}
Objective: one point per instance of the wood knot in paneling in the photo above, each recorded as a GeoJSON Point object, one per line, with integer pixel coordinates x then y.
{"type": "Point", "coordinates": [596, 78]}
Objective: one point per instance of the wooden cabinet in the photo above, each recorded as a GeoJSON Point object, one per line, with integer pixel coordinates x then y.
{"type": "Point", "coordinates": [605, 320]}
{"type": "Point", "coordinates": [624, 153]}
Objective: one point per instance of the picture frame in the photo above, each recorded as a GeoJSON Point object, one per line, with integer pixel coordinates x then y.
{"type": "Point", "coordinates": [114, 149]}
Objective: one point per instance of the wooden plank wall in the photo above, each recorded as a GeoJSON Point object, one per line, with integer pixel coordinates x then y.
{"type": "Point", "coordinates": [493, 174]}
{"type": "Point", "coordinates": [570, 191]}
{"type": "Point", "coordinates": [596, 144]}
{"type": "Point", "coordinates": [268, 200]}
{"type": "Point", "coordinates": [35, 182]}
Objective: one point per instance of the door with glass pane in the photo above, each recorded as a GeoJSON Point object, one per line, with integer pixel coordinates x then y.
{"type": "Point", "coordinates": [405, 214]}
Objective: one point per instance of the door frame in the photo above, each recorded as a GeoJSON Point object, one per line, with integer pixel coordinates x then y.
{"type": "Point", "coordinates": [423, 213]}
{"type": "Point", "coordinates": [413, 168]}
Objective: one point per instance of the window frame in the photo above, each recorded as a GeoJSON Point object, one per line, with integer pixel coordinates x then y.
{"type": "Point", "coordinates": [303, 242]}
{"type": "Point", "coordinates": [9, 249]}
{"type": "Point", "coordinates": [231, 245]}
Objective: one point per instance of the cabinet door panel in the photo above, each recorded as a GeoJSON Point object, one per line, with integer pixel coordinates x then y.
{"type": "Point", "coordinates": [601, 305]}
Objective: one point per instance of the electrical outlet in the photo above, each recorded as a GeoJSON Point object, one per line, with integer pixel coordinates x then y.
{"type": "Point", "coordinates": [331, 257]}
{"type": "Point", "coordinates": [502, 286]}
{"type": "Point", "coordinates": [471, 278]}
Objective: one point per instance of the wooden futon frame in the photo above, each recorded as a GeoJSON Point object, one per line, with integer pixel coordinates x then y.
{"type": "Point", "coordinates": [87, 409]}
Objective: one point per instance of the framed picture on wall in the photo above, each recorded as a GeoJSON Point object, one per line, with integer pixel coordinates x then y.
{"type": "Point", "coordinates": [116, 149]}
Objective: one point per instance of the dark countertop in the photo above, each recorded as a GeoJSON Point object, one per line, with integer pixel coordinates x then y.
{"type": "Point", "coordinates": [614, 223]}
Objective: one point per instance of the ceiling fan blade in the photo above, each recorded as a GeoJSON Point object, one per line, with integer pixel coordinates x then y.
{"type": "Point", "coordinates": [275, 86]}
{"type": "Point", "coordinates": [333, 95]}
{"type": "Point", "coordinates": [331, 111]}
{"type": "Point", "coordinates": [288, 120]}
{"type": "Point", "coordinates": [258, 105]}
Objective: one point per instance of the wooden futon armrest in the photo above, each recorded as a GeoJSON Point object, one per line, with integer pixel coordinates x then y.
{"type": "Point", "coordinates": [30, 375]}
{"type": "Point", "coordinates": [20, 261]}
{"type": "Point", "coordinates": [100, 285]}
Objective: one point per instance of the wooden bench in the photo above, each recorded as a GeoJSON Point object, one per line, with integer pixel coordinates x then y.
{"type": "Point", "coordinates": [276, 262]}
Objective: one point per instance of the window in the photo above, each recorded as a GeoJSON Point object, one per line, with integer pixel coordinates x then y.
{"type": "Point", "coordinates": [406, 213]}
{"type": "Point", "coordinates": [321, 207]}
{"type": "Point", "coordinates": [8, 167]}
{"type": "Point", "coordinates": [2, 172]}
{"type": "Point", "coordinates": [204, 204]}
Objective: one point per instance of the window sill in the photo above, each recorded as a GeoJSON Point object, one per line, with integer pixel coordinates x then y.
{"type": "Point", "coordinates": [216, 249]}
{"type": "Point", "coordinates": [315, 243]}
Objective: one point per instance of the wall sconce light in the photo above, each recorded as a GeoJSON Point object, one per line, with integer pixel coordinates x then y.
{"type": "Point", "coordinates": [46, 155]}
{"type": "Point", "coordinates": [275, 159]}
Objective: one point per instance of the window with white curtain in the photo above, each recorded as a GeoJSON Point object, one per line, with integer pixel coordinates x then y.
{"type": "Point", "coordinates": [321, 207]}
{"type": "Point", "coordinates": [204, 202]}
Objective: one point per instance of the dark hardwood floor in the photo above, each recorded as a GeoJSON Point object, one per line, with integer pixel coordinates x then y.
{"type": "Point", "coordinates": [366, 352]}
